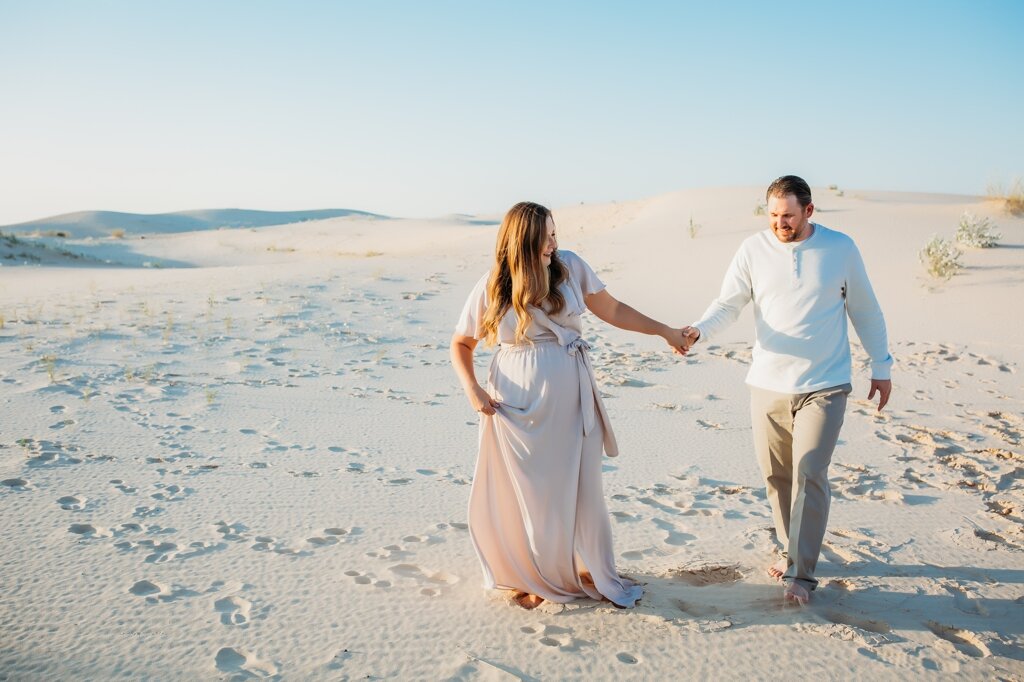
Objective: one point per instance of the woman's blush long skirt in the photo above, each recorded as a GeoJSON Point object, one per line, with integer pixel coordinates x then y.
{"type": "Point", "coordinates": [537, 513]}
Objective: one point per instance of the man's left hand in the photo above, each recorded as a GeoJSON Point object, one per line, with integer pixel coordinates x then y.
{"type": "Point", "coordinates": [884, 388]}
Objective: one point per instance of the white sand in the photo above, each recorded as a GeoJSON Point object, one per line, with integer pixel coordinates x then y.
{"type": "Point", "coordinates": [259, 465]}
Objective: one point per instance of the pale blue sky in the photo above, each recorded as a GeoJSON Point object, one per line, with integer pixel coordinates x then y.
{"type": "Point", "coordinates": [426, 108]}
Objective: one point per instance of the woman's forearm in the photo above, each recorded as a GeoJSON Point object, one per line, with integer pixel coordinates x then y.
{"type": "Point", "coordinates": [629, 318]}
{"type": "Point", "coordinates": [462, 361]}
{"type": "Point", "coordinates": [623, 316]}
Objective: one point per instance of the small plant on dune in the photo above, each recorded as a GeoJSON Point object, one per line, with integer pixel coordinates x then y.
{"type": "Point", "coordinates": [941, 258]}
{"type": "Point", "coordinates": [760, 209]}
{"type": "Point", "coordinates": [168, 327]}
{"type": "Point", "coordinates": [1012, 198]}
{"type": "Point", "coordinates": [50, 363]}
{"type": "Point", "coordinates": [694, 228]}
{"type": "Point", "coordinates": [1, 321]}
{"type": "Point", "coordinates": [976, 232]}
{"type": "Point", "coordinates": [211, 395]}
{"type": "Point", "coordinates": [117, 234]}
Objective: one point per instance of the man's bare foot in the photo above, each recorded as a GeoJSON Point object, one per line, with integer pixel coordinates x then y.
{"type": "Point", "coordinates": [796, 592]}
{"type": "Point", "coordinates": [778, 569]}
{"type": "Point", "coordinates": [527, 601]}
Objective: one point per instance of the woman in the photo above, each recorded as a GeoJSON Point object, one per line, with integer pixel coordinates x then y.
{"type": "Point", "coordinates": [537, 514]}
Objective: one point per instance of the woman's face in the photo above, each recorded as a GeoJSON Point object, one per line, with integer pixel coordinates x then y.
{"type": "Point", "coordinates": [550, 242]}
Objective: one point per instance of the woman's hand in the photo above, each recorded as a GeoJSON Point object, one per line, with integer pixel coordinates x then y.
{"type": "Point", "coordinates": [462, 360]}
{"type": "Point", "coordinates": [481, 401]}
{"type": "Point", "coordinates": [674, 338]}
{"type": "Point", "coordinates": [682, 339]}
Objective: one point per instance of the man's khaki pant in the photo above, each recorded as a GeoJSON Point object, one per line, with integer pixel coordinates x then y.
{"type": "Point", "coordinates": [794, 436]}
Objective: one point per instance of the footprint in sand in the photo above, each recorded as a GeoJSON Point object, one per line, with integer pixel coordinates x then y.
{"type": "Point", "coordinates": [433, 582]}
{"type": "Point", "coordinates": [367, 579]}
{"type": "Point", "coordinates": [87, 530]}
{"type": "Point", "coordinates": [964, 641]}
{"type": "Point", "coordinates": [839, 556]}
{"type": "Point", "coordinates": [146, 588]}
{"type": "Point", "coordinates": [123, 487]}
{"type": "Point", "coordinates": [268, 543]}
{"type": "Point", "coordinates": [627, 658]}
{"type": "Point", "coordinates": [146, 512]}
{"type": "Point", "coordinates": [243, 663]}
{"type": "Point", "coordinates": [235, 532]}
{"type": "Point", "coordinates": [557, 637]}
{"type": "Point", "coordinates": [762, 539]}
{"type": "Point", "coordinates": [866, 545]}
{"type": "Point", "coordinates": [233, 610]}
{"type": "Point", "coordinates": [160, 552]}
{"type": "Point", "coordinates": [390, 553]}
{"type": "Point", "coordinates": [625, 517]}
{"type": "Point", "coordinates": [15, 483]}
{"type": "Point", "coordinates": [702, 575]}
{"type": "Point", "coordinates": [698, 610]}
{"type": "Point", "coordinates": [331, 536]}
{"type": "Point", "coordinates": [962, 601]}
{"type": "Point", "coordinates": [72, 502]}
{"type": "Point", "coordinates": [155, 592]}
{"type": "Point", "coordinates": [859, 621]}
{"type": "Point", "coordinates": [674, 537]}
{"type": "Point", "coordinates": [840, 628]}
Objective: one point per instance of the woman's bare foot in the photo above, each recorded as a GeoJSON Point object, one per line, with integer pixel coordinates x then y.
{"type": "Point", "coordinates": [527, 601]}
{"type": "Point", "coordinates": [778, 569]}
{"type": "Point", "coordinates": [796, 592]}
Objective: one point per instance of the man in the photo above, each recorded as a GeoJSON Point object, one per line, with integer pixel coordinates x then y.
{"type": "Point", "coordinates": [804, 279]}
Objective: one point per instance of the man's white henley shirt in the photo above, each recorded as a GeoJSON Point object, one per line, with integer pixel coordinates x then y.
{"type": "Point", "coordinates": [802, 292]}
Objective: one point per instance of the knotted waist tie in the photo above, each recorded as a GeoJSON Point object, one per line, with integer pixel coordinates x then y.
{"type": "Point", "coordinates": [590, 395]}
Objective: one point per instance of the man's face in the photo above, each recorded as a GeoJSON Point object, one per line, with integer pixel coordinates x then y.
{"type": "Point", "coordinates": [790, 221]}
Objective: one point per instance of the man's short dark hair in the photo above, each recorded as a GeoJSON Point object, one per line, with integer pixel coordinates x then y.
{"type": "Point", "coordinates": [790, 184]}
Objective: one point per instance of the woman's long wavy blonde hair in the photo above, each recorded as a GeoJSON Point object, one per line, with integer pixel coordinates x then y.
{"type": "Point", "coordinates": [519, 279]}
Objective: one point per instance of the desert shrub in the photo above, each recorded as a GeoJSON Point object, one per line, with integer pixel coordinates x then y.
{"type": "Point", "coordinates": [941, 258]}
{"type": "Point", "coordinates": [694, 228]}
{"type": "Point", "coordinates": [117, 234]}
{"type": "Point", "coordinates": [976, 232]}
{"type": "Point", "coordinates": [1012, 198]}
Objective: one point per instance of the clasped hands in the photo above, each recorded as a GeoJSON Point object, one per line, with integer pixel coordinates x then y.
{"type": "Point", "coordinates": [682, 340]}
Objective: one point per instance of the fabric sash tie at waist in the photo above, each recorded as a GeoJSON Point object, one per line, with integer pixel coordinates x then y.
{"type": "Point", "coordinates": [590, 395]}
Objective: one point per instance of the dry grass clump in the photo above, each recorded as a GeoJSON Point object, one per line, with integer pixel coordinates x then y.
{"type": "Point", "coordinates": [117, 234]}
{"type": "Point", "coordinates": [1012, 197]}
{"type": "Point", "coordinates": [941, 258]}
{"type": "Point", "coordinates": [694, 228]}
{"type": "Point", "coordinates": [976, 232]}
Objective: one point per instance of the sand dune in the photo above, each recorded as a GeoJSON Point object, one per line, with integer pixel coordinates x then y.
{"type": "Point", "coordinates": [254, 461]}
{"type": "Point", "coordinates": [102, 223]}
